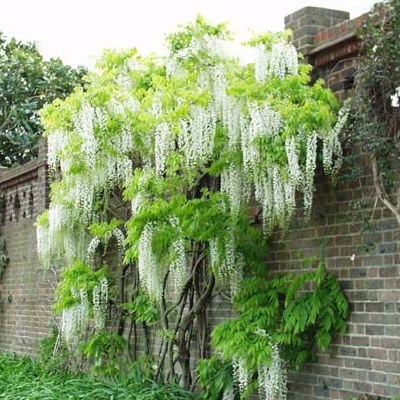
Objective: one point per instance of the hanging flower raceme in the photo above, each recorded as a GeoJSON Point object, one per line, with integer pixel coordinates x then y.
{"type": "Point", "coordinates": [178, 266]}
{"type": "Point", "coordinates": [273, 378]}
{"type": "Point", "coordinates": [240, 374]}
{"type": "Point", "coordinates": [75, 319]}
{"type": "Point", "coordinates": [100, 304]}
{"type": "Point", "coordinates": [147, 263]}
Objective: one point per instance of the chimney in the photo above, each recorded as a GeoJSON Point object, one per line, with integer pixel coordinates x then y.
{"type": "Point", "coordinates": [307, 21]}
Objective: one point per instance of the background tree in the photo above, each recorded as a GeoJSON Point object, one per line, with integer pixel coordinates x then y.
{"type": "Point", "coordinates": [27, 83]}
{"type": "Point", "coordinates": [376, 101]}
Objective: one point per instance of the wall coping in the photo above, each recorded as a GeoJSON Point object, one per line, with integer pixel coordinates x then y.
{"type": "Point", "coordinates": [17, 175]}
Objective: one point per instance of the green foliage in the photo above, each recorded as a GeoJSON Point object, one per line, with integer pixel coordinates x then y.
{"type": "Point", "coordinates": [376, 121]}
{"type": "Point", "coordinates": [27, 83]}
{"type": "Point", "coordinates": [215, 376]}
{"type": "Point", "coordinates": [142, 309]}
{"type": "Point", "coordinates": [3, 253]}
{"type": "Point", "coordinates": [104, 230]}
{"type": "Point", "coordinates": [24, 378]}
{"type": "Point", "coordinates": [106, 350]}
{"type": "Point", "coordinates": [182, 39]}
{"type": "Point", "coordinates": [3, 256]}
{"type": "Point", "coordinates": [299, 312]}
{"type": "Point", "coordinates": [77, 277]}
{"type": "Point", "coordinates": [52, 355]}
{"type": "Point", "coordinates": [189, 140]}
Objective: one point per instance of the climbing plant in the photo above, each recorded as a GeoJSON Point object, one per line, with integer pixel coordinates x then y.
{"type": "Point", "coordinates": [280, 326]}
{"type": "Point", "coordinates": [155, 165]}
{"type": "Point", "coordinates": [3, 253]}
{"type": "Point", "coordinates": [376, 100]}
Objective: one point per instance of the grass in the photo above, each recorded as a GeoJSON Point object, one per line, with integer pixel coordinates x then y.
{"type": "Point", "coordinates": [22, 378]}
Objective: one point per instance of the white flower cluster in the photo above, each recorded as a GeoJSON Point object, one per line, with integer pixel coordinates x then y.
{"type": "Point", "coordinates": [277, 198]}
{"type": "Point", "coordinates": [196, 138]}
{"type": "Point", "coordinates": [236, 277]}
{"type": "Point", "coordinates": [164, 144]}
{"type": "Point", "coordinates": [281, 60]}
{"type": "Point", "coordinates": [261, 64]}
{"type": "Point", "coordinates": [100, 304]}
{"type": "Point", "coordinates": [229, 268]}
{"type": "Point", "coordinates": [75, 319]}
{"type": "Point", "coordinates": [292, 153]}
{"type": "Point", "coordinates": [57, 241]}
{"type": "Point", "coordinates": [229, 394]}
{"type": "Point", "coordinates": [173, 67]}
{"type": "Point", "coordinates": [273, 378]}
{"type": "Point", "coordinates": [147, 263]}
{"type": "Point", "coordinates": [232, 112]}
{"type": "Point", "coordinates": [120, 238]}
{"type": "Point", "coordinates": [59, 217]}
{"type": "Point", "coordinates": [233, 184]}
{"type": "Point", "coordinates": [218, 89]}
{"type": "Point", "coordinates": [82, 193]}
{"type": "Point", "coordinates": [209, 44]}
{"type": "Point", "coordinates": [394, 98]}
{"type": "Point", "coordinates": [311, 162]}
{"type": "Point", "coordinates": [264, 121]}
{"type": "Point", "coordinates": [101, 171]}
{"type": "Point", "coordinates": [74, 246]}
{"type": "Point", "coordinates": [178, 265]}
{"type": "Point", "coordinates": [136, 203]}
{"type": "Point", "coordinates": [56, 143]}
{"type": "Point", "coordinates": [240, 374]}
{"type": "Point", "coordinates": [91, 250]}
{"type": "Point", "coordinates": [43, 245]}
{"type": "Point", "coordinates": [332, 154]}
{"type": "Point", "coordinates": [84, 124]}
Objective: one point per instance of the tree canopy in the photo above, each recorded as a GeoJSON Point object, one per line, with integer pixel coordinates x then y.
{"type": "Point", "coordinates": [27, 83]}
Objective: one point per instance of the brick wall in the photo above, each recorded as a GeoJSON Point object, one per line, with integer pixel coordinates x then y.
{"type": "Point", "coordinates": [358, 238]}
{"type": "Point", "coordinates": [25, 289]}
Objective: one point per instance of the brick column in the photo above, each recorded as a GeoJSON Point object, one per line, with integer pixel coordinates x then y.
{"type": "Point", "coordinates": [43, 183]}
{"type": "Point", "coordinates": [307, 21]}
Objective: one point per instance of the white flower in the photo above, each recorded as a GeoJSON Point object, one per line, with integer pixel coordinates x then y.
{"type": "Point", "coordinates": [395, 98]}
{"type": "Point", "coordinates": [147, 263]}
{"type": "Point", "coordinates": [240, 374]}
{"type": "Point", "coordinates": [273, 378]}
{"type": "Point", "coordinates": [100, 304]}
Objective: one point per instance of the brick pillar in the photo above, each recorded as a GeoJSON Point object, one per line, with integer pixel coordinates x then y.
{"type": "Point", "coordinates": [307, 21]}
{"type": "Point", "coordinates": [43, 182]}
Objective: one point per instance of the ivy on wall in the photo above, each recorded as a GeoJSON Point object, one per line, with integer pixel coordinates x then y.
{"type": "Point", "coordinates": [3, 254]}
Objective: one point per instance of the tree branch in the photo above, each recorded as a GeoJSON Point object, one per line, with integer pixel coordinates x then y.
{"type": "Point", "coordinates": [380, 190]}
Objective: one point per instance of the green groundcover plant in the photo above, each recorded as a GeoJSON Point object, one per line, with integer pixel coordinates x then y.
{"type": "Point", "coordinates": [22, 378]}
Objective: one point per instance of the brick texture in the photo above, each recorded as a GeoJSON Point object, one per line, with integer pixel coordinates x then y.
{"type": "Point", "coordinates": [356, 236]}
{"type": "Point", "coordinates": [359, 240]}
{"type": "Point", "coordinates": [26, 290]}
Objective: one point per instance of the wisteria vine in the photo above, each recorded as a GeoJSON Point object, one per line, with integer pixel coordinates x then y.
{"type": "Point", "coordinates": [175, 150]}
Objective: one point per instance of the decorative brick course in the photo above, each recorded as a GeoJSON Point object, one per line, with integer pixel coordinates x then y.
{"type": "Point", "coordinates": [25, 289]}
